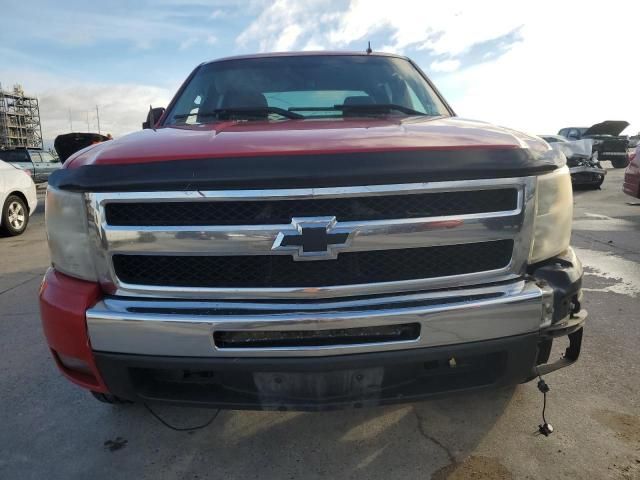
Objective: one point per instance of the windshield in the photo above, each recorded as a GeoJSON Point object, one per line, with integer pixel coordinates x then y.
{"type": "Point", "coordinates": [14, 155]}
{"type": "Point", "coordinates": [312, 86]}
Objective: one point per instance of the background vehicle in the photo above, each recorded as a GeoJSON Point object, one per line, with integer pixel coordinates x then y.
{"type": "Point", "coordinates": [607, 140]}
{"type": "Point", "coordinates": [18, 199]}
{"type": "Point", "coordinates": [69, 143]}
{"type": "Point", "coordinates": [39, 163]}
{"type": "Point", "coordinates": [582, 160]}
{"type": "Point", "coordinates": [310, 231]}
{"type": "Point", "coordinates": [632, 175]}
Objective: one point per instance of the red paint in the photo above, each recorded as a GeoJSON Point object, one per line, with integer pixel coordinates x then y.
{"type": "Point", "coordinates": [632, 175]}
{"type": "Point", "coordinates": [309, 136]}
{"type": "Point", "coordinates": [63, 303]}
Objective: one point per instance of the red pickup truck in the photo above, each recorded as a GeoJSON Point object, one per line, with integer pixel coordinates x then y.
{"type": "Point", "coordinates": [309, 231]}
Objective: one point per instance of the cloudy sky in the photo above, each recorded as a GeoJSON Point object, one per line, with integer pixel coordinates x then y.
{"type": "Point", "coordinates": [533, 65]}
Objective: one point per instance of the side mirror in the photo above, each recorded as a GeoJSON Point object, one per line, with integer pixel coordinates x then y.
{"type": "Point", "coordinates": [156, 113]}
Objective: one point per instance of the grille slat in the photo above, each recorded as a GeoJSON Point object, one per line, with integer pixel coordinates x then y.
{"type": "Point", "coordinates": [281, 271]}
{"type": "Point", "coordinates": [277, 212]}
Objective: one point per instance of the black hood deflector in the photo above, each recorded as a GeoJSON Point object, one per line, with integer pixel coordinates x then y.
{"type": "Point", "coordinates": [304, 171]}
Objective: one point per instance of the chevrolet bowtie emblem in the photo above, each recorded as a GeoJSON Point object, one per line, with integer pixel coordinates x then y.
{"type": "Point", "coordinates": [313, 238]}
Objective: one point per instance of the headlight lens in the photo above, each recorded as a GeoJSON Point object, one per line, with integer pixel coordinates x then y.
{"type": "Point", "coordinates": [554, 213]}
{"type": "Point", "coordinates": [67, 233]}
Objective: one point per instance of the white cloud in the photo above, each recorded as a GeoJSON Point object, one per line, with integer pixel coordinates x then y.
{"type": "Point", "coordinates": [445, 65]}
{"type": "Point", "coordinates": [439, 27]}
{"type": "Point", "coordinates": [288, 37]}
{"type": "Point", "coordinates": [571, 69]}
{"type": "Point", "coordinates": [188, 43]}
{"type": "Point", "coordinates": [280, 24]}
{"type": "Point", "coordinates": [218, 13]}
{"type": "Point", "coordinates": [572, 64]}
{"type": "Point", "coordinates": [123, 107]}
{"type": "Point", "coordinates": [141, 27]}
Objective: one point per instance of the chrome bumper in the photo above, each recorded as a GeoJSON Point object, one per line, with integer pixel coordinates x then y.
{"type": "Point", "coordinates": [186, 328]}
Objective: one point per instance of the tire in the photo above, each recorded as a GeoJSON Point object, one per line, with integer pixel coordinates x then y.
{"type": "Point", "coordinates": [15, 216]}
{"type": "Point", "coordinates": [109, 399]}
{"type": "Point", "coordinates": [620, 163]}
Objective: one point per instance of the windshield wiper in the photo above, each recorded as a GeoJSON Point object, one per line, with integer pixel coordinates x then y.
{"type": "Point", "coordinates": [378, 107]}
{"type": "Point", "coordinates": [225, 113]}
{"type": "Point", "coordinates": [365, 108]}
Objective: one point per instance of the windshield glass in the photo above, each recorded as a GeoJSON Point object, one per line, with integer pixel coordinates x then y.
{"type": "Point", "coordinates": [289, 87]}
{"type": "Point", "coordinates": [14, 155]}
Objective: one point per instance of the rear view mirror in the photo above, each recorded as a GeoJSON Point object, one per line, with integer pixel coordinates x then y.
{"type": "Point", "coordinates": [156, 113]}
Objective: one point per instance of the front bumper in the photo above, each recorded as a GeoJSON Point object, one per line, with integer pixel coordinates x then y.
{"type": "Point", "coordinates": [324, 383]}
{"type": "Point", "coordinates": [584, 175]}
{"type": "Point", "coordinates": [32, 200]}
{"type": "Point", "coordinates": [613, 155]}
{"type": "Point", "coordinates": [141, 349]}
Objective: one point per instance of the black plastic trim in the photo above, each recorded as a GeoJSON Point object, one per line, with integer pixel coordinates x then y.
{"type": "Point", "coordinates": [125, 375]}
{"type": "Point", "coordinates": [304, 170]}
{"type": "Point", "coordinates": [563, 273]}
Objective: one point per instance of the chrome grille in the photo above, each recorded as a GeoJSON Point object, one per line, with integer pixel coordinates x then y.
{"type": "Point", "coordinates": [263, 271]}
{"type": "Point", "coordinates": [277, 212]}
{"type": "Point", "coordinates": [224, 246]}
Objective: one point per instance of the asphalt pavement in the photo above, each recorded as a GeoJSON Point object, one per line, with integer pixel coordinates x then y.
{"type": "Point", "coordinates": [51, 429]}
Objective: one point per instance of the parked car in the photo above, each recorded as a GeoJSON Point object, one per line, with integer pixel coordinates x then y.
{"type": "Point", "coordinates": [607, 140]}
{"type": "Point", "coordinates": [17, 198]}
{"type": "Point", "coordinates": [40, 163]}
{"type": "Point", "coordinates": [582, 160]}
{"type": "Point", "coordinates": [69, 143]}
{"type": "Point", "coordinates": [308, 231]}
{"type": "Point", "coordinates": [632, 175]}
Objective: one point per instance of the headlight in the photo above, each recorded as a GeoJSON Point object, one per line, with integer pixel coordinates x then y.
{"type": "Point", "coordinates": [554, 213]}
{"type": "Point", "coordinates": [67, 233]}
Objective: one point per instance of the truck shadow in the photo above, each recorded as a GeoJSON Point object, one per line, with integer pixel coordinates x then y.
{"type": "Point", "coordinates": [386, 442]}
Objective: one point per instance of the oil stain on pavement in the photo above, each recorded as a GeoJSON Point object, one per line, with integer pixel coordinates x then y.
{"type": "Point", "coordinates": [115, 445]}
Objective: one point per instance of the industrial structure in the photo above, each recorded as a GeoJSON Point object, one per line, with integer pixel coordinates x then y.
{"type": "Point", "coordinates": [19, 119]}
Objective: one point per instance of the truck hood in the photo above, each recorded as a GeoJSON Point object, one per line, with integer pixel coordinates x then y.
{"type": "Point", "coordinates": [311, 136]}
{"type": "Point", "coordinates": [69, 143]}
{"type": "Point", "coordinates": [306, 154]}
{"type": "Point", "coordinates": [608, 127]}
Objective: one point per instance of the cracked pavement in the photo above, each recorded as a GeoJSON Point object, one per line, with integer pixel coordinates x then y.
{"type": "Point", "coordinates": [52, 429]}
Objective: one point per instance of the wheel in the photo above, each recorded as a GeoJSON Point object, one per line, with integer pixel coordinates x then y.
{"type": "Point", "coordinates": [620, 162]}
{"type": "Point", "coordinates": [15, 216]}
{"type": "Point", "coordinates": [108, 398]}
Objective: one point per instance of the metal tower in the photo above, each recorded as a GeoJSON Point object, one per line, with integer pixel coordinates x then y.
{"type": "Point", "coordinates": [19, 120]}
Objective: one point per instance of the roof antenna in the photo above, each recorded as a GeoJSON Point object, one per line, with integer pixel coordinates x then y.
{"type": "Point", "coordinates": [369, 51]}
